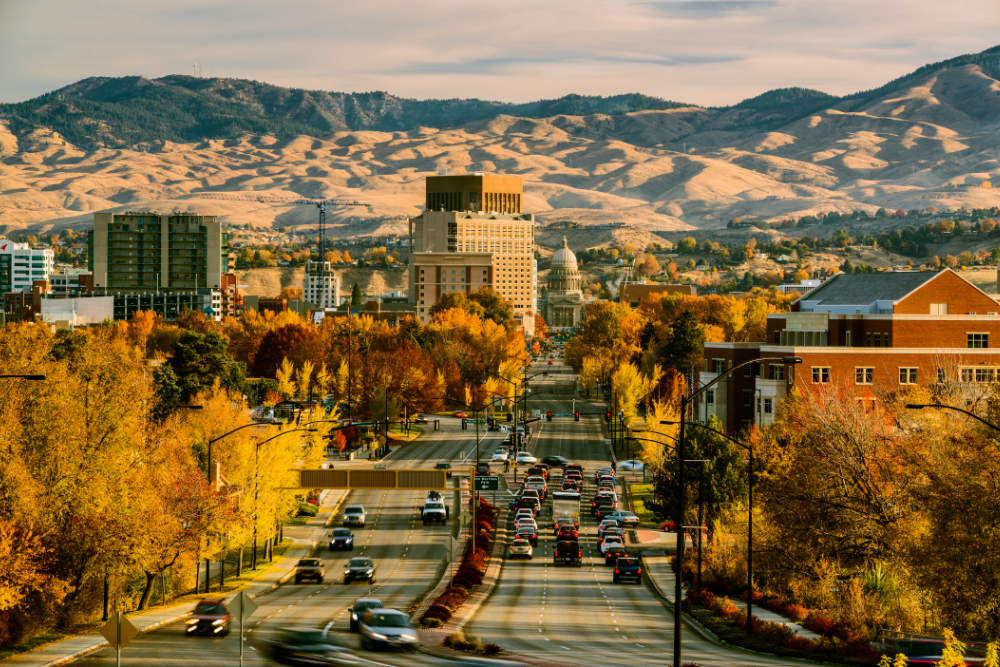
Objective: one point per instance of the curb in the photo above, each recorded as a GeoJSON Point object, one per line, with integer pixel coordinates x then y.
{"type": "Point", "coordinates": [498, 557]}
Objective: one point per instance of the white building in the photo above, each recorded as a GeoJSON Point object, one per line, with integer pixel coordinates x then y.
{"type": "Point", "coordinates": [20, 265]}
{"type": "Point", "coordinates": [321, 285]}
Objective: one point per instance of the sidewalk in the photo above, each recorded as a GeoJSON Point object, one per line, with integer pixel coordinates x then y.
{"type": "Point", "coordinates": [662, 577]}
{"type": "Point", "coordinates": [65, 650]}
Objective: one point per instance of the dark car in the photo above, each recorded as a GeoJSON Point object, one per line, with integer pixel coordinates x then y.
{"type": "Point", "coordinates": [528, 533]}
{"type": "Point", "coordinates": [309, 568]}
{"type": "Point", "coordinates": [573, 466]}
{"type": "Point", "coordinates": [571, 485]}
{"type": "Point", "coordinates": [443, 465]}
{"type": "Point", "coordinates": [528, 502]}
{"type": "Point", "coordinates": [342, 538]}
{"type": "Point", "coordinates": [360, 568]}
{"type": "Point", "coordinates": [628, 568]}
{"type": "Point", "coordinates": [560, 461]}
{"type": "Point", "coordinates": [483, 469]}
{"type": "Point", "coordinates": [602, 502]}
{"type": "Point", "coordinates": [209, 617]}
{"type": "Point", "coordinates": [421, 419]}
{"type": "Point", "coordinates": [613, 553]}
{"type": "Point", "coordinates": [359, 608]}
{"type": "Point", "coordinates": [538, 471]}
{"type": "Point", "coordinates": [568, 533]}
{"type": "Point", "coordinates": [386, 628]}
{"type": "Point", "coordinates": [568, 553]}
{"type": "Point", "coordinates": [297, 646]}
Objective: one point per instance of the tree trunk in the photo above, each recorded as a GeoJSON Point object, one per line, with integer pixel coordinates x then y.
{"type": "Point", "coordinates": [222, 570]}
{"type": "Point", "coordinates": [239, 568]}
{"type": "Point", "coordinates": [253, 555]}
{"type": "Point", "coordinates": [208, 576]}
{"type": "Point", "coordinates": [147, 591]}
{"type": "Point", "coordinates": [107, 592]}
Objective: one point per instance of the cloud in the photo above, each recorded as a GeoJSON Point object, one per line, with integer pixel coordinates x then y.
{"type": "Point", "coordinates": [710, 9]}
{"type": "Point", "coordinates": [503, 66]}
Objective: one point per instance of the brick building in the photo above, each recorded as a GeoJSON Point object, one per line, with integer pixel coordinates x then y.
{"type": "Point", "coordinates": [871, 332]}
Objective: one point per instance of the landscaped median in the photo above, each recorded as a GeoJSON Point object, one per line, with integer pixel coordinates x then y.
{"type": "Point", "coordinates": [470, 573]}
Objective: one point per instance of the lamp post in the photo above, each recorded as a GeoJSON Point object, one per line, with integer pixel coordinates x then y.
{"type": "Point", "coordinates": [685, 402]}
{"type": "Point", "coordinates": [749, 522]}
{"type": "Point", "coordinates": [256, 487]}
{"type": "Point", "coordinates": [208, 472]}
{"type": "Point", "coordinates": [941, 406]}
{"type": "Point", "coordinates": [511, 382]}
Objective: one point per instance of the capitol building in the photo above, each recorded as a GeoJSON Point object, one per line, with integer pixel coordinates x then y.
{"type": "Point", "coordinates": [563, 306]}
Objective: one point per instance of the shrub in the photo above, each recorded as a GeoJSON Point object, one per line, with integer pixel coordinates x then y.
{"type": "Point", "coordinates": [819, 623]}
{"type": "Point", "coordinates": [437, 611]}
{"type": "Point", "coordinates": [491, 649]}
{"type": "Point", "coordinates": [306, 509]}
{"type": "Point", "coordinates": [432, 622]}
{"type": "Point", "coordinates": [458, 641]}
{"type": "Point", "coordinates": [796, 612]}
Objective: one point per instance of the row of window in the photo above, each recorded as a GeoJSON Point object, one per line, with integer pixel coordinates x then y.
{"type": "Point", "coordinates": [872, 339]}
{"type": "Point", "coordinates": [765, 405]}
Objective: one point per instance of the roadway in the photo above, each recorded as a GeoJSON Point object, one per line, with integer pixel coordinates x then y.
{"type": "Point", "coordinates": [409, 556]}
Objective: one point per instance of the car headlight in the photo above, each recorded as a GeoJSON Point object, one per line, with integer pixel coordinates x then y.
{"type": "Point", "coordinates": [347, 572]}
{"type": "Point", "coordinates": [378, 636]}
{"type": "Point", "coordinates": [192, 621]}
{"type": "Point", "coordinates": [411, 638]}
{"type": "Point", "coordinates": [369, 572]}
{"type": "Point", "coordinates": [219, 621]}
{"type": "Point", "coordinates": [354, 617]}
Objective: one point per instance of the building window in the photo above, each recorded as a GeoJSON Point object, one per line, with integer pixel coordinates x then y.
{"type": "Point", "coordinates": [719, 366]}
{"type": "Point", "coordinates": [939, 309]}
{"type": "Point", "coordinates": [747, 370]}
{"type": "Point", "coordinates": [966, 374]}
{"type": "Point", "coordinates": [710, 397]}
{"type": "Point", "coordinates": [977, 340]}
{"type": "Point", "coordinates": [868, 339]}
{"type": "Point", "coordinates": [821, 374]}
{"type": "Point", "coordinates": [907, 376]}
{"type": "Point", "coordinates": [777, 337]}
{"type": "Point", "coordinates": [864, 375]}
{"type": "Point", "coordinates": [847, 339]}
{"type": "Point", "coordinates": [747, 398]}
{"type": "Point", "coordinates": [767, 406]}
{"type": "Point", "coordinates": [878, 339]}
{"type": "Point", "coordinates": [777, 372]}
{"type": "Point", "coordinates": [985, 374]}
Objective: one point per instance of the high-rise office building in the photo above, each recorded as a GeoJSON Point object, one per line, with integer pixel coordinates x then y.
{"type": "Point", "coordinates": [20, 265]}
{"type": "Point", "coordinates": [473, 235]}
{"type": "Point", "coordinates": [320, 285]}
{"type": "Point", "coordinates": [143, 251]}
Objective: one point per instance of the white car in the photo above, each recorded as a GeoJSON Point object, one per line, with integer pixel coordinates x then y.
{"type": "Point", "coordinates": [499, 455]}
{"type": "Point", "coordinates": [525, 457]}
{"type": "Point", "coordinates": [524, 513]}
{"type": "Point", "coordinates": [611, 541]}
{"type": "Point", "coordinates": [632, 465]}
{"type": "Point", "coordinates": [525, 521]}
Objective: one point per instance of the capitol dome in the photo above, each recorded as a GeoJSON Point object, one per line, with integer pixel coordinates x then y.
{"type": "Point", "coordinates": [564, 258]}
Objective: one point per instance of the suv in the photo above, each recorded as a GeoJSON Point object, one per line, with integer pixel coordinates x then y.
{"type": "Point", "coordinates": [342, 538]}
{"type": "Point", "coordinates": [434, 509]}
{"type": "Point", "coordinates": [354, 515]}
{"type": "Point", "coordinates": [628, 567]}
{"type": "Point", "coordinates": [209, 616]}
{"type": "Point", "coordinates": [568, 553]}
{"type": "Point", "coordinates": [309, 568]}
{"type": "Point", "coordinates": [612, 552]}
{"type": "Point", "coordinates": [359, 608]}
{"type": "Point", "coordinates": [443, 465]}
{"type": "Point", "coordinates": [385, 627]}
{"type": "Point", "coordinates": [360, 568]}
{"type": "Point", "coordinates": [602, 502]}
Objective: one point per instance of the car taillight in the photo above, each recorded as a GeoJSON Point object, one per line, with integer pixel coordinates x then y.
{"type": "Point", "coordinates": [640, 571]}
{"type": "Point", "coordinates": [616, 571]}
{"type": "Point", "coordinates": [579, 554]}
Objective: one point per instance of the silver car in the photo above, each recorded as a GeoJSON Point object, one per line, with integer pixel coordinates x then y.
{"type": "Point", "coordinates": [354, 515]}
{"type": "Point", "coordinates": [386, 627]}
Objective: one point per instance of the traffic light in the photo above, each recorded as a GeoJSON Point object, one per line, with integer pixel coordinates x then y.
{"type": "Point", "coordinates": [576, 416]}
{"type": "Point", "coordinates": [607, 416]}
{"type": "Point", "coordinates": [548, 416]}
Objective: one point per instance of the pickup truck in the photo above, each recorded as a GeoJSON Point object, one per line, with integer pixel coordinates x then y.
{"type": "Point", "coordinates": [434, 509]}
{"type": "Point", "coordinates": [568, 553]}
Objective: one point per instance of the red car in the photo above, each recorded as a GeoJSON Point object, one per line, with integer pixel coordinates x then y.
{"type": "Point", "coordinates": [461, 415]}
{"type": "Point", "coordinates": [550, 363]}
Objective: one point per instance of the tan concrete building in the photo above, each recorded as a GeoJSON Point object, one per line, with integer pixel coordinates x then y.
{"type": "Point", "coordinates": [564, 299]}
{"type": "Point", "coordinates": [633, 293]}
{"type": "Point", "coordinates": [321, 285]}
{"type": "Point", "coordinates": [490, 244]}
{"type": "Point", "coordinates": [145, 251]}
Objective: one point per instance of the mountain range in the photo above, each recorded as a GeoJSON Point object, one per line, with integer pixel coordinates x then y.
{"type": "Point", "coordinates": [660, 165]}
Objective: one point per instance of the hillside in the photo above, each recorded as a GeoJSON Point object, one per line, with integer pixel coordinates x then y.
{"type": "Point", "coordinates": [663, 168]}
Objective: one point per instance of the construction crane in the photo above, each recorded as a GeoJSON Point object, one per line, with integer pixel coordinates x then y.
{"type": "Point", "coordinates": [321, 204]}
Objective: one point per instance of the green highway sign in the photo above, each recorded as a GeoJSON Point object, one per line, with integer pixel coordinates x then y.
{"type": "Point", "coordinates": [487, 483]}
{"type": "Point", "coordinates": [472, 421]}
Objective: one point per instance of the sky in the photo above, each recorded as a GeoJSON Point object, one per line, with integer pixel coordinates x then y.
{"type": "Point", "coordinates": [706, 52]}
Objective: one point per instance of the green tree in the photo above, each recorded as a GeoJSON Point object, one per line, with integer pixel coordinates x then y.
{"type": "Point", "coordinates": [356, 295]}
{"type": "Point", "coordinates": [382, 408]}
{"type": "Point", "coordinates": [201, 359]}
{"type": "Point", "coordinates": [687, 244]}
{"type": "Point", "coordinates": [684, 347]}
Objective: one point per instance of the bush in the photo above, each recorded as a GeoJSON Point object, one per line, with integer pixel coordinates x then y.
{"type": "Point", "coordinates": [437, 611]}
{"type": "Point", "coordinates": [491, 649]}
{"type": "Point", "coordinates": [306, 509]}
{"type": "Point", "coordinates": [819, 623]}
{"type": "Point", "coordinates": [432, 622]}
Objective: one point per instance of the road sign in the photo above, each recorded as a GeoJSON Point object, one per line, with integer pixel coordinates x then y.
{"type": "Point", "coordinates": [241, 607]}
{"type": "Point", "coordinates": [451, 548]}
{"type": "Point", "coordinates": [119, 631]}
{"type": "Point", "coordinates": [487, 483]}
{"type": "Point", "coordinates": [465, 517]}
{"type": "Point", "coordinates": [472, 421]}
{"type": "Point", "coordinates": [461, 455]}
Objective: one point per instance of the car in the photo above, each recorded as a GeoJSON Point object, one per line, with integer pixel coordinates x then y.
{"type": "Point", "coordinates": [531, 503]}
{"type": "Point", "coordinates": [521, 548]}
{"type": "Point", "coordinates": [443, 465]}
{"type": "Point", "coordinates": [573, 466]}
{"type": "Point", "coordinates": [309, 646]}
{"type": "Point", "coordinates": [571, 485]}
{"type": "Point", "coordinates": [610, 543]}
{"type": "Point", "coordinates": [605, 524]}
{"type": "Point", "coordinates": [499, 455]}
{"type": "Point", "coordinates": [354, 515]}
{"type": "Point", "coordinates": [360, 568]}
{"type": "Point", "coordinates": [525, 521]}
{"type": "Point", "coordinates": [359, 607]}
{"type": "Point", "coordinates": [309, 568]}
{"type": "Point", "coordinates": [421, 419]}
{"type": "Point", "coordinates": [603, 511]}
{"type": "Point", "coordinates": [434, 509]}
{"type": "Point", "coordinates": [529, 493]}
{"type": "Point", "coordinates": [538, 471]}
{"type": "Point", "coordinates": [560, 461]}
{"type": "Point", "coordinates": [550, 362]}
{"type": "Point", "coordinates": [386, 628]}
{"type": "Point", "coordinates": [567, 533]}
{"type": "Point", "coordinates": [529, 533]}
{"type": "Point", "coordinates": [613, 553]}
{"type": "Point", "coordinates": [568, 553]}
{"type": "Point", "coordinates": [524, 513]}
{"type": "Point", "coordinates": [631, 465]}
{"type": "Point", "coordinates": [668, 526]}
{"type": "Point", "coordinates": [483, 468]}
{"type": "Point", "coordinates": [525, 457]}
{"type": "Point", "coordinates": [602, 502]}
{"type": "Point", "coordinates": [209, 617]}
{"type": "Point", "coordinates": [461, 415]}
{"type": "Point", "coordinates": [563, 521]}
{"type": "Point", "coordinates": [342, 538]}
{"type": "Point", "coordinates": [608, 480]}
{"type": "Point", "coordinates": [611, 532]}
{"type": "Point", "coordinates": [601, 472]}
{"type": "Point", "coordinates": [628, 567]}
{"type": "Point", "coordinates": [624, 518]}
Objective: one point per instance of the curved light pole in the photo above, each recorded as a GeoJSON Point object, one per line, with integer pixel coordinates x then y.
{"type": "Point", "coordinates": [685, 402]}
{"type": "Point", "coordinates": [921, 406]}
{"type": "Point", "coordinates": [208, 473]}
{"type": "Point", "coordinates": [749, 522]}
{"type": "Point", "coordinates": [256, 483]}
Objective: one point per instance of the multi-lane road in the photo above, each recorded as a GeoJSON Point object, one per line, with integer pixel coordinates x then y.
{"type": "Point", "coordinates": [572, 615]}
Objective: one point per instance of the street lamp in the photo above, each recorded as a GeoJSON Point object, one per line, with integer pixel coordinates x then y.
{"type": "Point", "coordinates": [208, 472]}
{"type": "Point", "coordinates": [256, 487]}
{"type": "Point", "coordinates": [921, 406]}
{"type": "Point", "coordinates": [749, 522]}
{"type": "Point", "coordinates": [685, 401]}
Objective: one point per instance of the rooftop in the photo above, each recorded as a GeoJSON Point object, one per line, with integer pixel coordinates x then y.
{"type": "Point", "coordinates": [864, 289]}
